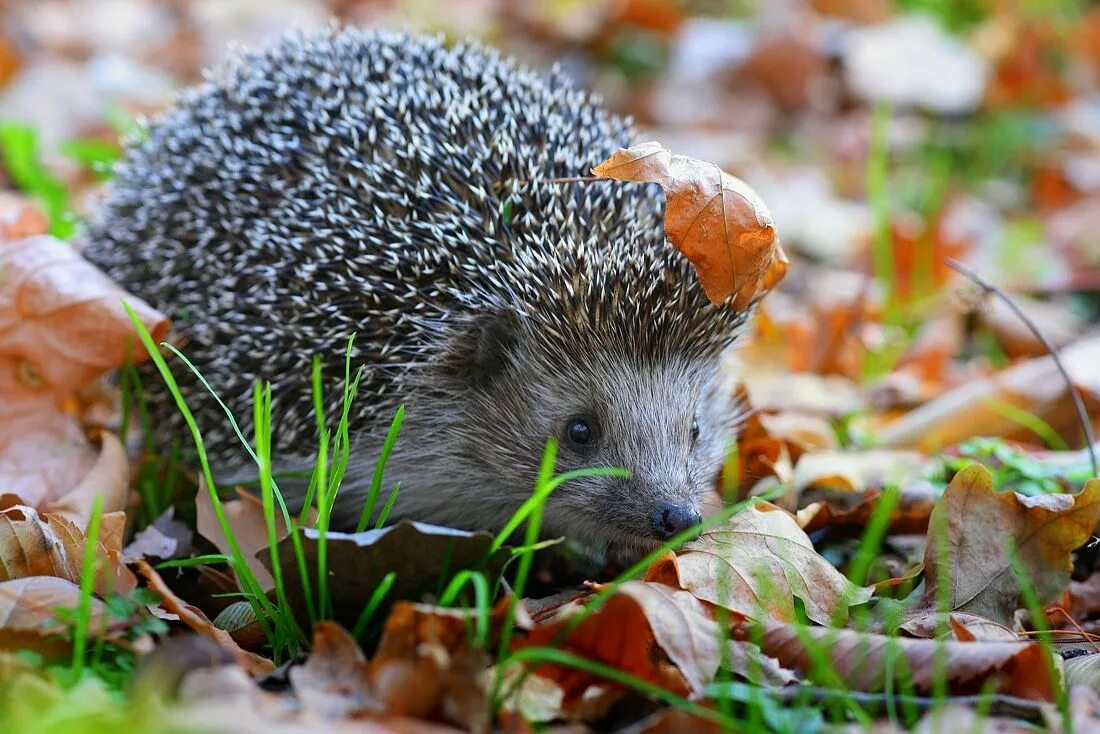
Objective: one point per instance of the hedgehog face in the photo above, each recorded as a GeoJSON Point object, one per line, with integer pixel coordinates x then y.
{"type": "Point", "coordinates": [667, 420]}
{"type": "Point", "coordinates": [666, 423]}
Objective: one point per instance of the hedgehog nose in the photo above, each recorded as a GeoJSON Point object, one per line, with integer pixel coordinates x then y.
{"type": "Point", "coordinates": [670, 519]}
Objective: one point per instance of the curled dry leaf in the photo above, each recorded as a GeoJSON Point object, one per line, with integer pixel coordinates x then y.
{"type": "Point", "coordinates": [859, 659]}
{"type": "Point", "coordinates": [418, 553]}
{"type": "Point", "coordinates": [641, 629]}
{"type": "Point", "coordinates": [64, 318]}
{"type": "Point", "coordinates": [109, 477]}
{"type": "Point", "coordinates": [974, 533]}
{"type": "Point", "coordinates": [756, 564]}
{"type": "Point", "coordinates": [50, 545]}
{"type": "Point", "coordinates": [334, 682]}
{"type": "Point", "coordinates": [909, 516]}
{"type": "Point", "coordinates": [46, 460]}
{"type": "Point", "coordinates": [27, 616]}
{"type": "Point", "coordinates": [425, 666]}
{"type": "Point", "coordinates": [975, 408]}
{"type": "Point", "coordinates": [246, 516]}
{"type": "Point", "coordinates": [713, 218]}
{"type": "Point", "coordinates": [198, 622]}
{"type": "Point", "coordinates": [62, 325]}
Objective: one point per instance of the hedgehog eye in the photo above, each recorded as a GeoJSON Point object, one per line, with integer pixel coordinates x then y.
{"type": "Point", "coordinates": [581, 431]}
{"type": "Point", "coordinates": [694, 430]}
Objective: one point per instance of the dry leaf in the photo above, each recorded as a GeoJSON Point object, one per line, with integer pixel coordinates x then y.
{"type": "Point", "coordinates": [975, 531]}
{"type": "Point", "coordinates": [225, 700]}
{"type": "Point", "coordinates": [908, 517]}
{"type": "Point", "coordinates": [109, 477]}
{"type": "Point", "coordinates": [425, 666]}
{"type": "Point", "coordinates": [246, 517]}
{"type": "Point", "coordinates": [197, 621]}
{"type": "Point", "coordinates": [643, 627]}
{"type": "Point", "coordinates": [45, 454]}
{"type": "Point", "coordinates": [49, 545]}
{"type": "Point", "coordinates": [1034, 386]}
{"type": "Point", "coordinates": [62, 318]}
{"type": "Point", "coordinates": [713, 218]}
{"type": "Point", "coordinates": [756, 564]}
{"type": "Point", "coordinates": [334, 682]}
{"type": "Point", "coordinates": [418, 553]}
{"type": "Point", "coordinates": [859, 660]}
{"type": "Point", "coordinates": [27, 613]}
{"type": "Point", "coordinates": [164, 539]}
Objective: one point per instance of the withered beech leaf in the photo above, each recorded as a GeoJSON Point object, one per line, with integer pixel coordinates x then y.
{"type": "Point", "coordinates": [64, 318]}
{"type": "Point", "coordinates": [27, 612]}
{"type": "Point", "coordinates": [334, 682]}
{"type": "Point", "coordinates": [418, 553]}
{"type": "Point", "coordinates": [427, 667]}
{"type": "Point", "coordinates": [46, 459]}
{"type": "Point", "coordinates": [109, 477]}
{"type": "Point", "coordinates": [859, 660]}
{"type": "Point", "coordinates": [50, 545]}
{"type": "Point", "coordinates": [974, 531]}
{"type": "Point", "coordinates": [756, 564]}
{"type": "Point", "coordinates": [713, 218]}
{"type": "Point", "coordinates": [200, 623]}
{"type": "Point", "coordinates": [246, 517]}
{"type": "Point", "coordinates": [637, 628]}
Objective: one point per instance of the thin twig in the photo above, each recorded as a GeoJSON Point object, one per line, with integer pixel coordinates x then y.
{"type": "Point", "coordinates": [577, 179]}
{"type": "Point", "coordinates": [1078, 401]}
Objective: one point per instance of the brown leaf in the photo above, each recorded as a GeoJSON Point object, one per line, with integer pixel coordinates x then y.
{"type": "Point", "coordinates": [109, 477]}
{"type": "Point", "coordinates": [27, 612]}
{"type": "Point", "coordinates": [197, 621]}
{"type": "Point", "coordinates": [974, 531]}
{"type": "Point", "coordinates": [909, 516]}
{"type": "Point", "coordinates": [49, 545]}
{"type": "Point", "coordinates": [44, 452]}
{"type": "Point", "coordinates": [713, 218]}
{"type": "Point", "coordinates": [756, 564]}
{"type": "Point", "coordinates": [62, 317]}
{"type": "Point", "coordinates": [416, 552]}
{"type": "Point", "coordinates": [632, 629]}
{"type": "Point", "coordinates": [426, 667]}
{"type": "Point", "coordinates": [974, 408]}
{"type": "Point", "coordinates": [334, 683]}
{"type": "Point", "coordinates": [20, 219]}
{"type": "Point", "coordinates": [225, 700]}
{"type": "Point", "coordinates": [859, 660]}
{"type": "Point", "coordinates": [246, 517]}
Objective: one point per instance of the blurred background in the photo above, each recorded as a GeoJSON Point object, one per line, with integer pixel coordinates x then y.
{"type": "Point", "coordinates": [885, 136]}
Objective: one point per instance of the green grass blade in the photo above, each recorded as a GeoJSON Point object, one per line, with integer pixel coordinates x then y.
{"type": "Point", "coordinates": [379, 469]}
{"type": "Point", "coordinates": [373, 604]}
{"type": "Point", "coordinates": [87, 584]}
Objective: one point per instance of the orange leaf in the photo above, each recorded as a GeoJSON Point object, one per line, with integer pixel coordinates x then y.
{"type": "Point", "coordinates": [974, 533]}
{"type": "Point", "coordinates": [50, 545]}
{"type": "Point", "coordinates": [63, 318]}
{"type": "Point", "coordinates": [713, 218]}
{"type": "Point", "coordinates": [641, 629]}
{"type": "Point", "coordinates": [198, 622]}
{"type": "Point", "coordinates": [27, 612]}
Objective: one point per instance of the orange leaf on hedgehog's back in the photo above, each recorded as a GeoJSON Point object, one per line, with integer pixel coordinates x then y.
{"type": "Point", "coordinates": [716, 220]}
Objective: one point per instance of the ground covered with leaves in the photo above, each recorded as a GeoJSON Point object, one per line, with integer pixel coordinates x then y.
{"type": "Point", "coordinates": [903, 538]}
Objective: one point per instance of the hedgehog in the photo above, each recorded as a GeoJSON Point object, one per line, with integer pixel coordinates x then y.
{"type": "Point", "coordinates": [408, 192]}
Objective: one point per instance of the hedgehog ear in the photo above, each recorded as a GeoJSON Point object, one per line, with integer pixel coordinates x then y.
{"type": "Point", "coordinates": [485, 347]}
{"type": "Point", "coordinates": [497, 337]}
